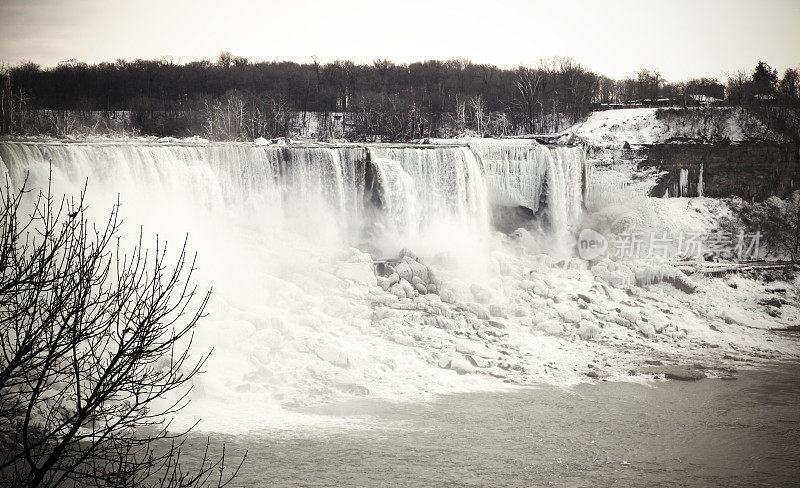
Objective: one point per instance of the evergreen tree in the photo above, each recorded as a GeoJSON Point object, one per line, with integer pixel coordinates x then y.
{"type": "Point", "coordinates": [764, 79]}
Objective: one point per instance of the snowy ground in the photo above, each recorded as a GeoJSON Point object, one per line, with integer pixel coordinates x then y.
{"type": "Point", "coordinates": [106, 139]}
{"type": "Point", "coordinates": [636, 126]}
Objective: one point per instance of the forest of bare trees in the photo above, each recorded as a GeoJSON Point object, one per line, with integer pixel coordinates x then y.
{"type": "Point", "coordinates": [234, 98]}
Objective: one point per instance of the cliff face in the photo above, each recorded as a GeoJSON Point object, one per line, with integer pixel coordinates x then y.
{"type": "Point", "coordinates": [753, 171]}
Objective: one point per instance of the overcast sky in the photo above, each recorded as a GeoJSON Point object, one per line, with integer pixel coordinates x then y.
{"type": "Point", "coordinates": [680, 38]}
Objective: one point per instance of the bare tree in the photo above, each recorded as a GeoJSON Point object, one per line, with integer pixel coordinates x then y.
{"type": "Point", "coordinates": [92, 342]}
{"type": "Point", "coordinates": [477, 108]}
{"type": "Point", "coordinates": [461, 115]}
{"type": "Point", "coordinates": [777, 221]}
{"type": "Point", "coordinates": [649, 84]}
{"type": "Point", "coordinates": [527, 83]}
{"type": "Point", "coordinates": [225, 59]}
{"type": "Point", "coordinates": [6, 105]}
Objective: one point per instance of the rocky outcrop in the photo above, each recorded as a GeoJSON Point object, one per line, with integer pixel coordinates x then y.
{"type": "Point", "coordinates": [752, 171]}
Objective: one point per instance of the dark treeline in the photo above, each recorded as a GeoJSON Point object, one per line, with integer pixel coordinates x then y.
{"type": "Point", "coordinates": [234, 98]}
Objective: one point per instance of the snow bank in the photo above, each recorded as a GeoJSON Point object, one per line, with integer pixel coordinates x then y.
{"type": "Point", "coordinates": [637, 126]}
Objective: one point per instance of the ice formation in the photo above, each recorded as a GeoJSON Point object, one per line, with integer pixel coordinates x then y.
{"type": "Point", "coordinates": [352, 271]}
{"type": "Point", "coordinates": [683, 183]}
{"type": "Point", "coordinates": [700, 186]}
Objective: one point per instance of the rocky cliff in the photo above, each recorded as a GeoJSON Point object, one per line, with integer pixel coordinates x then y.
{"type": "Point", "coordinates": [753, 171]}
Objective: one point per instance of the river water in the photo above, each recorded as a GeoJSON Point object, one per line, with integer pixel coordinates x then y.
{"type": "Point", "coordinates": [744, 432]}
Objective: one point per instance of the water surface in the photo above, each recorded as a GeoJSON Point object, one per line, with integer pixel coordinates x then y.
{"type": "Point", "coordinates": [743, 432]}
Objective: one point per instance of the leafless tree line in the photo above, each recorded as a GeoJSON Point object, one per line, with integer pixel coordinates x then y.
{"type": "Point", "coordinates": [236, 98]}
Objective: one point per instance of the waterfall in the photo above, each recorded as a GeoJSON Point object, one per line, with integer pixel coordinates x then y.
{"type": "Point", "coordinates": [321, 190]}
{"type": "Point", "coordinates": [397, 193]}
{"type": "Point", "coordinates": [272, 226]}
{"type": "Point", "coordinates": [446, 205]}
{"type": "Point", "coordinates": [274, 185]}
{"type": "Point", "coordinates": [422, 185]}
{"type": "Point", "coordinates": [571, 163]}
{"type": "Point", "coordinates": [518, 172]}
{"type": "Point", "coordinates": [515, 171]}
{"type": "Point", "coordinates": [448, 181]}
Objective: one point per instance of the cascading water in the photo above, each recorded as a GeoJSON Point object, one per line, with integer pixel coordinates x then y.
{"type": "Point", "coordinates": [270, 225]}
{"type": "Point", "coordinates": [515, 172]}
{"type": "Point", "coordinates": [445, 189]}
{"type": "Point", "coordinates": [565, 188]}
{"type": "Point", "coordinates": [519, 172]}
{"type": "Point", "coordinates": [399, 198]}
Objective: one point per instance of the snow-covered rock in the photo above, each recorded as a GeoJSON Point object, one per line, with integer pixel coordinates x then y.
{"type": "Point", "coordinates": [572, 316]}
{"type": "Point", "coordinates": [407, 288]}
{"type": "Point", "coordinates": [333, 355]}
{"type": "Point", "coordinates": [447, 296]}
{"type": "Point", "coordinates": [497, 310]}
{"type": "Point", "coordinates": [418, 270]}
{"type": "Point", "coordinates": [398, 290]}
{"type": "Point", "coordinates": [550, 327]}
{"type": "Point", "coordinates": [588, 330]}
{"type": "Point", "coordinates": [475, 349]}
{"type": "Point", "coordinates": [360, 272]}
{"type": "Point", "coordinates": [417, 283]}
{"type": "Point", "coordinates": [647, 329]}
{"type": "Point", "coordinates": [461, 366]}
{"type": "Point", "coordinates": [477, 361]}
{"type": "Point", "coordinates": [404, 271]}
{"type": "Point", "coordinates": [480, 293]}
{"type": "Point", "coordinates": [479, 310]}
